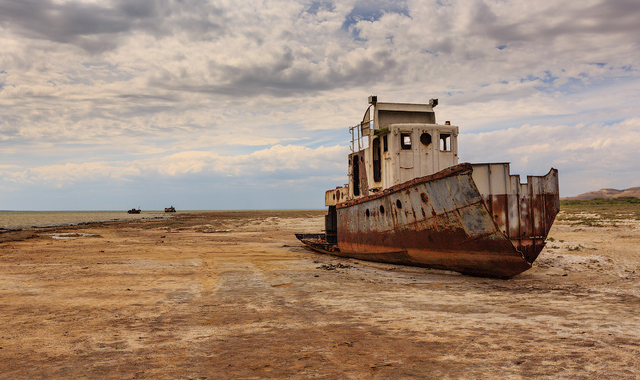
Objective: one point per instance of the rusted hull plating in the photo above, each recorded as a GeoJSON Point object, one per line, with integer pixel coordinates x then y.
{"type": "Point", "coordinates": [443, 221]}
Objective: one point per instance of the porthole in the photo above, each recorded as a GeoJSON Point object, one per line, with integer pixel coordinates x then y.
{"type": "Point", "coordinates": [381, 209]}
{"type": "Point", "coordinates": [398, 203]}
{"type": "Point", "coordinates": [425, 139]}
{"type": "Point", "coordinates": [367, 213]}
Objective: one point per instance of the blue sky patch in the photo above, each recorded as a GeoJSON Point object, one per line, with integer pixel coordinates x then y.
{"type": "Point", "coordinates": [549, 78]}
{"type": "Point", "coordinates": [318, 6]}
{"type": "Point", "coordinates": [372, 10]}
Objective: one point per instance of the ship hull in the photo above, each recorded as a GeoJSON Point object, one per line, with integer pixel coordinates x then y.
{"type": "Point", "coordinates": [443, 221]}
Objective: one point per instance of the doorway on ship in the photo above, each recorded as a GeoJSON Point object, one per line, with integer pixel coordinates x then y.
{"type": "Point", "coordinates": [377, 162]}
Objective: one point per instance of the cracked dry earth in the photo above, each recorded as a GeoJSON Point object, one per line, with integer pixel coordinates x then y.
{"type": "Point", "coordinates": [234, 295]}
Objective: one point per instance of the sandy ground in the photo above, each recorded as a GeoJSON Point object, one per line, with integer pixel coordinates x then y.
{"type": "Point", "coordinates": [235, 295]}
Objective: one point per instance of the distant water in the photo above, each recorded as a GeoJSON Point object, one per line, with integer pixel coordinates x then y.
{"type": "Point", "coordinates": [31, 219]}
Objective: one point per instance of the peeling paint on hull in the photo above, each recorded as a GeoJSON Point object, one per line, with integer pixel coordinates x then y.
{"type": "Point", "coordinates": [443, 221]}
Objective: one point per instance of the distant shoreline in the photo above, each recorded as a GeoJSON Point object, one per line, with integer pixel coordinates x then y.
{"type": "Point", "coordinates": [114, 217]}
{"type": "Point", "coordinates": [21, 220]}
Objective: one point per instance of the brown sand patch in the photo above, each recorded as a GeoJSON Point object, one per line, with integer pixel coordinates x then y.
{"type": "Point", "coordinates": [180, 298]}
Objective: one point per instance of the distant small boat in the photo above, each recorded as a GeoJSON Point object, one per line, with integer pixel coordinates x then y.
{"type": "Point", "coordinates": [134, 211]}
{"type": "Point", "coordinates": [170, 209]}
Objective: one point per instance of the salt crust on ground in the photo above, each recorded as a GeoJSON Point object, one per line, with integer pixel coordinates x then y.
{"type": "Point", "coordinates": [235, 295]}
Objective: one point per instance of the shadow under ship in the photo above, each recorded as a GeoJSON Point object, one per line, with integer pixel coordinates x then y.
{"type": "Point", "coordinates": [408, 201]}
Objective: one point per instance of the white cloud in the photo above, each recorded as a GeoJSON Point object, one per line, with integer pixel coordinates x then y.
{"type": "Point", "coordinates": [223, 87]}
{"type": "Point", "coordinates": [285, 161]}
{"type": "Point", "coordinates": [584, 154]}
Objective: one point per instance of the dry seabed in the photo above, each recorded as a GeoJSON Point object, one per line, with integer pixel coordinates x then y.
{"type": "Point", "coordinates": [235, 295]}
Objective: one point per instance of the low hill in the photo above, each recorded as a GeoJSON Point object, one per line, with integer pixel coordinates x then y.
{"type": "Point", "coordinates": [633, 192]}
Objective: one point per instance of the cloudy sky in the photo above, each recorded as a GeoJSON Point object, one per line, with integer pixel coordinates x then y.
{"type": "Point", "coordinates": [227, 104]}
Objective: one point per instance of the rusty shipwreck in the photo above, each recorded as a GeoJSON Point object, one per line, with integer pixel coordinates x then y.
{"type": "Point", "coordinates": [409, 201]}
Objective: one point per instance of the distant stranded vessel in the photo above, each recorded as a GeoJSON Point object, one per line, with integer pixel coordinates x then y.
{"type": "Point", "coordinates": [170, 209]}
{"type": "Point", "coordinates": [408, 201]}
{"type": "Point", "coordinates": [134, 211]}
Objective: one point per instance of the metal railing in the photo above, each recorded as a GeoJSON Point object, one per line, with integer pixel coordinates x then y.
{"type": "Point", "coordinates": [357, 138]}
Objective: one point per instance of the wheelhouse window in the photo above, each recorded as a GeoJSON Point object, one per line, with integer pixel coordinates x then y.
{"type": "Point", "coordinates": [405, 141]}
{"type": "Point", "coordinates": [445, 141]}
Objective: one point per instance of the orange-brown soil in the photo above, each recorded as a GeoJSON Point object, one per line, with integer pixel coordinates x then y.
{"type": "Point", "coordinates": [234, 295]}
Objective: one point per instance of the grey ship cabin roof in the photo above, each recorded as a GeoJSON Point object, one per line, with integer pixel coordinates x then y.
{"type": "Point", "coordinates": [385, 114]}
